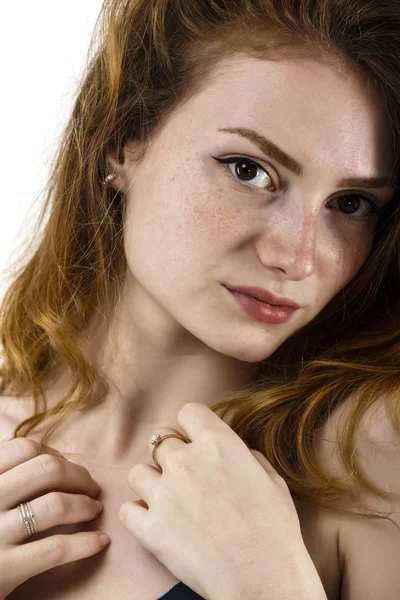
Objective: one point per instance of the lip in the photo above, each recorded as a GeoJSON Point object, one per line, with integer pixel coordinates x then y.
{"type": "Point", "coordinates": [259, 310]}
{"type": "Point", "coordinates": [265, 296]}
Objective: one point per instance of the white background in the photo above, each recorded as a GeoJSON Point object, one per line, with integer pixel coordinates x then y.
{"type": "Point", "coordinates": [43, 47]}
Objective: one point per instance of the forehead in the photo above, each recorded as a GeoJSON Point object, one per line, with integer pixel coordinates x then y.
{"type": "Point", "coordinates": [316, 109]}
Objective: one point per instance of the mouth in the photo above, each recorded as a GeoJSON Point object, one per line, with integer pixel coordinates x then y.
{"type": "Point", "coordinates": [274, 314]}
{"type": "Point", "coordinates": [264, 296]}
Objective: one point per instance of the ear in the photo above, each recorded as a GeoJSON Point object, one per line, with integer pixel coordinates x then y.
{"type": "Point", "coordinates": [115, 166]}
{"type": "Point", "coordinates": [124, 164]}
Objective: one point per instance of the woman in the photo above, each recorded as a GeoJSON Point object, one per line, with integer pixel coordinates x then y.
{"type": "Point", "coordinates": [217, 152]}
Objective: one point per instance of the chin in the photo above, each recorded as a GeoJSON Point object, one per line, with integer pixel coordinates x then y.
{"type": "Point", "coordinates": [250, 352]}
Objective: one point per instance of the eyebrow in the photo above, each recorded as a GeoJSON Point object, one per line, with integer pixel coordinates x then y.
{"type": "Point", "coordinates": [272, 151]}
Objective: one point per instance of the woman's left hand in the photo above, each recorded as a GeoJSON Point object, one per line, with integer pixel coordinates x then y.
{"type": "Point", "coordinates": [219, 516]}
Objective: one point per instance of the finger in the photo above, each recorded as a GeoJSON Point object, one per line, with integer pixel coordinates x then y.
{"type": "Point", "coordinates": [39, 556]}
{"type": "Point", "coordinates": [133, 516]}
{"type": "Point", "coordinates": [166, 445]}
{"type": "Point", "coordinates": [14, 452]}
{"type": "Point", "coordinates": [50, 510]}
{"type": "Point", "coordinates": [143, 480]}
{"type": "Point", "coordinates": [194, 418]}
{"type": "Point", "coordinates": [42, 474]}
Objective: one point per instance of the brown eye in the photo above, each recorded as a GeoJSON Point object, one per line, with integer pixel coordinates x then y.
{"type": "Point", "coordinates": [354, 205]}
{"type": "Point", "coordinates": [349, 204]}
{"type": "Point", "coordinates": [246, 170]}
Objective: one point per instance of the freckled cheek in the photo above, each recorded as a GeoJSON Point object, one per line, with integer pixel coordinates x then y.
{"type": "Point", "coordinates": [345, 260]}
{"type": "Point", "coordinates": [213, 221]}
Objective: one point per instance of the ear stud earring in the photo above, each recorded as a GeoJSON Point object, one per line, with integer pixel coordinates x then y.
{"type": "Point", "coordinates": [109, 178]}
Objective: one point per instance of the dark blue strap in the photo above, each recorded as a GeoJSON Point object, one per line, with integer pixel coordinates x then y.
{"type": "Point", "coordinates": [180, 591]}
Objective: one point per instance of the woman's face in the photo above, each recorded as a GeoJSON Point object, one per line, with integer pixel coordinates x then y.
{"type": "Point", "coordinates": [287, 215]}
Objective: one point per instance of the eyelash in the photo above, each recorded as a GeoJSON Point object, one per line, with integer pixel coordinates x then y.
{"type": "Point", "coordinates": [236, 159]}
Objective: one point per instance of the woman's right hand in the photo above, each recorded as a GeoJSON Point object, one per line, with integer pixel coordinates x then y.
{"type": "Point", "coordinates": [60, 492]}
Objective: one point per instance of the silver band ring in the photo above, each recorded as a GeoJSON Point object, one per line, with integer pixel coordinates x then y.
{"type": "Point", "coordinates": [27, 518]}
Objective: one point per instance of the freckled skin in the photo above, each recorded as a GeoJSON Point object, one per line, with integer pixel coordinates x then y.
{"type": "Point", "coordinates": [190, 226]}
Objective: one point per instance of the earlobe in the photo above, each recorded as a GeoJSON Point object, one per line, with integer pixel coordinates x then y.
{"type": "Point", "coordinates": [119, 163]}
{"type": "Point", "coordinates": [114, 175]}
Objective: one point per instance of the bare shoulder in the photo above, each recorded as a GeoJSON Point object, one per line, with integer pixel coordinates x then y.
{"type": "Point", "coordinates": [320, 533]}
{"type": "Point", "coordinates": [368, 547]}
{"type": "Point", "coordinates": [376, 450]}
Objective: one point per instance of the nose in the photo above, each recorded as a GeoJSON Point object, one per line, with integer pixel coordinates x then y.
{"type": "Point", "coordinates": [289, 245]}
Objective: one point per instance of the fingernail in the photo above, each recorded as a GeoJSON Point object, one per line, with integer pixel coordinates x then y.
{"type": "Point", "coordinates": [104, 540]}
